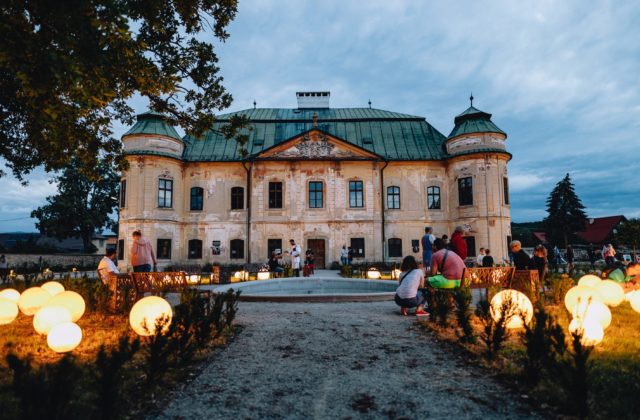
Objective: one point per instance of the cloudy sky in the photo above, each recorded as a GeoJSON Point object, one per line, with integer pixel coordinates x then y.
{"type": "Point", "coordinates": [561, 78]}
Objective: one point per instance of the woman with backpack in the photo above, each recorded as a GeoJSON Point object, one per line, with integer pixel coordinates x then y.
{"type": "Point", "coordinates": [408, 293]}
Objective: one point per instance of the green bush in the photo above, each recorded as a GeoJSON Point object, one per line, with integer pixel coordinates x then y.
{"type": "Point", "coordinates": [544, 342]}
{"type": "Point", "coordinates": [558, 287]}
{"type": "Point", "coordinates": [494, 333]}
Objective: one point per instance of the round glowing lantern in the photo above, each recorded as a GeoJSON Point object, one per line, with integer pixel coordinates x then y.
{"type": "Point", "coordinates": [33, 299]}
{"type": "Point", "coordinates": [521, 307]}
{"type": "Point", "coordinates": [70, 300]}
{"type": "Point", "coordinates": [146, 312]}
{"type": "Point", "coordinates": [8, 311]}
{"type": "Point", "coordinates": [263, 275]}
{"type": "Point", "coordinates": [586, 311]}
{"type": "Point", "coordinates": [590, 280]}
{"type": "Point", "coordinates": [11, 294]}
{"type": "Point", "coordinates": [592, 332]}
{"type": "Point", "coordinates": [53, 287]}
{"type": "Point", "coordinates": [64, 337]}
{"type": "Point", "coordinates": [194, 279]}
{"type": "Point", "coordinates": [583, 293]}
{"type": "Point", "coordinates": [49, 316]}
{"type": "Point", "coordinates": [634, 300]}
{"type": "Point", "coordinates": [373, 273]}
{"type": "Point", "coordinates": [612, 293]}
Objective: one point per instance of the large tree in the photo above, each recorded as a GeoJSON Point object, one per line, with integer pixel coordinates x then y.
{"type": "Point", "coordinates": [83, 203]}
{"type": "Point", "coordinates": [67, 69]}
{"type": "Point", "coordinates": [628, 233]}
{"type": "Point", "coordinates": [565, 213]}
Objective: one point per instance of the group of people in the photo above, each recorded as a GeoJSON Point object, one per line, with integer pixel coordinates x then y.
{"type": "Point", "coordinates": [143, 259]}
{"type": "Point", "coordinates": [346, 255]}
{"type": "Point", "coordinates": [457, 244]}
{"type": "Point", "coordinates": [445, 268]}
{"type": "Point", "coordinates": [295, 253]}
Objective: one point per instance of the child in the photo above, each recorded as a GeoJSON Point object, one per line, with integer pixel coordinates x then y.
{"type": "Point", "coordinates": [487, 260]}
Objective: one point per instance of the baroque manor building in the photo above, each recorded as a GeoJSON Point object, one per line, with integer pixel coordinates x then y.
{"type": "Point", "coordinates": [326, 177]}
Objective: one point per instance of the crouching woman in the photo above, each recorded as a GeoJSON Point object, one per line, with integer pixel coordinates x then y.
{"type": "Point", "coordinates": [408, 293]}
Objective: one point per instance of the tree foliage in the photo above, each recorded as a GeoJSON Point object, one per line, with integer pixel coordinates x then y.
{"type": "Point", "coordinates": [565, 213]}
{"type": "Point", "coordinates": [629, 233]}
{"type": "Point", "coordinates": [67, 69]}
{"type": "Point", "coordinates": [82, 205]}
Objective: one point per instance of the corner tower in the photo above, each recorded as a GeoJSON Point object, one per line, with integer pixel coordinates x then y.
{"type": "Point", "coordinates": [477, 173]}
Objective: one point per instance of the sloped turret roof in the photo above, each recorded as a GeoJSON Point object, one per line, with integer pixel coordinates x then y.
{"type": "Point", "coordinates": [472, 120]}
{"type": "Point", "coordinates": [153, 123]}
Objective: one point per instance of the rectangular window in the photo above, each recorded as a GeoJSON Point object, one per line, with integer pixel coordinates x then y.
{"type": "Point", "coordinates": [197, 194]}
{"type": "Point", "coordinates": [275, 195]}
{"type": "Point", "coordinates": [273, 245]}
{"type": "Point", "coordinates": [165, 193]}
{"type": "Point", "coordinates": [465, 191]}
{"type": "Point", "coordinates": [123, 193]}
{"type": "Point", "coordinates": [195, 249]}
{"type": "Point", "coordinates": [236, 249]}
{"type": "Point", "coordinates": [164, 249]}
{"type": "Point", "coordinates": [121, 249]}
{"type": "Point", "coordinates": [471, 246]}
{"type": "Point", "coordinates": [505, 182]}
{"type": "Point", "coordinates": [433, 198]}
{"type": "Point", "coordinates": [357, 246]}
{"type": "Point", "coordinates": [355, 194]}
{"type": "Point", "coordinates": [315, 195]}
{"type": "Point", "coordinates": [393, 197]}
{"type": "Point", "coordinates": [237, 198]}
{"type": "Point", "coordinates": [395, 248]}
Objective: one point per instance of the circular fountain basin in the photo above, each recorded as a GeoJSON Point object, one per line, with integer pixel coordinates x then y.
{"type": "Point", "coordinates": [313, 289]}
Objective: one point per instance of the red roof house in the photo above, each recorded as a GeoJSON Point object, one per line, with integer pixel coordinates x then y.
{"type": "Point", "coordinates": [599, 230]}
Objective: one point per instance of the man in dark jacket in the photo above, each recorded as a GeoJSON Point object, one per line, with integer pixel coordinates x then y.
{"type": "Point", "coordinates": [457, 243]}
{"type": "Point", "coordinates": [521, 259]}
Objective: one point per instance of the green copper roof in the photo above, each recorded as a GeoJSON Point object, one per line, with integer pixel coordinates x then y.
{"type": "Point", "coordinates": [153, 123]}
{"type": "Point", "coordinates": [388, 134]}
{"type": "Point", "coordinates": [472, 120]}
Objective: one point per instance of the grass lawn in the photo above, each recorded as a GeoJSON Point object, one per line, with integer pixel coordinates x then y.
{"type": "Point", "coordinates": [614, 378]}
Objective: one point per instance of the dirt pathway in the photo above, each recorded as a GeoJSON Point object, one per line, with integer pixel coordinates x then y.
{"type": "Point", "coordinates": [353, 360]}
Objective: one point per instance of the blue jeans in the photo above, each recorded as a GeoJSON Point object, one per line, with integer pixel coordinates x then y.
{"type": "Point", "coordinates": [344, 260]}
{"type": "Point", "coordinates": [409, 302]}
{"type": "Point", "coordinates": [144, 268]}
{"type": "Point", "coordinates": [426, 258]}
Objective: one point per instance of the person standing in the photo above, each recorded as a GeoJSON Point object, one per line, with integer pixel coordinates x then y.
{"type": "Point", "coordinates": [344, 255]}
{"type": "Point", "coordinates": [570, 256]}
{"type": "Point", "coordinates": [591, 254]}
{"type": "Point", "coordinates": [480, 258]}
{"type": "Point", "coordinates": [540, 261]}
{"type": "Point", "coordinates": [487, 260]}
{"type": "Point", "coordinates": [310, 261]}
{"type": "Point", "coordinates": [609, 254]}
{"type": "Point", "coordinates": [4, 268]}
{"type": "Point", "coordinates": [427, 247]}
{"type": "Point", "coordinates": [142, 256]}
{"type": "Point", "coordinates": [458, 244]}
{"type": "Point", "coordinates": [107, 266]}
{"type": "Point", "coordinates": [350, 255]}
{"type": "Point", "coordinates": [521, 259]}
{"type": "Point", "coordinates": [551, 257]}
{"type": "Point", "coordinates": [295, 257]}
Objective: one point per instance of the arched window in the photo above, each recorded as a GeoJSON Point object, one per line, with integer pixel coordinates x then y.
{"type": "Point", "coordinates": [395, 247]}
{"type": "Point", "coordinates": [237, 198]}
{"type": "Point", "coordinates": [433, 198]}
{"type": "Point", "coordinates": [237, 249]}
{"type": "Point", "coordinates": [393, 197]}
{"type": "Point", "coordinates": [197, 194]}
{"type": "Point", "coordinates": [195, 249]}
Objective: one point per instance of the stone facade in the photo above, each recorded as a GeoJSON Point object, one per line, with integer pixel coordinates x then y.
{"type": "Point", "coordinates": [284, 201]}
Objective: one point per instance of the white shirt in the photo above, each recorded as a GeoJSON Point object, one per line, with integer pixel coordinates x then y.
{"type": "Point", "coordinates": [410, 283]}
{"type": "Point", "coordinates": [105, 267]}
{"type": "Point", "coordinates": [344, 253]}
{"type": "Point", "coordinates": [479, 259]}
{"type": "Point", "coordinates": [295, 256]}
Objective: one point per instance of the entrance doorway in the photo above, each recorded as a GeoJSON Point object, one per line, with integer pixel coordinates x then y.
{"type": "Point", "coordinates": [317, 246]}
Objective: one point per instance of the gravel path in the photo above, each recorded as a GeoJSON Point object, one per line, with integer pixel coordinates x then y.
{"type": "Point", "coordinates": [348, 360]}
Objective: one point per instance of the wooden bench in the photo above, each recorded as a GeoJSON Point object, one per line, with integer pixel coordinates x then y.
{"type": "Point", "coordinates": [486, 277]}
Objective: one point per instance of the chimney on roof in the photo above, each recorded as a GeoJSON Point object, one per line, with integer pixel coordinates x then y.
{"type": "Point", "coordinates": [313, 100]}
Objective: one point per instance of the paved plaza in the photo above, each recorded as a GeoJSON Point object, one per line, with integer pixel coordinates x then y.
{"type": "Point", "coordinates": [340, 360]}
